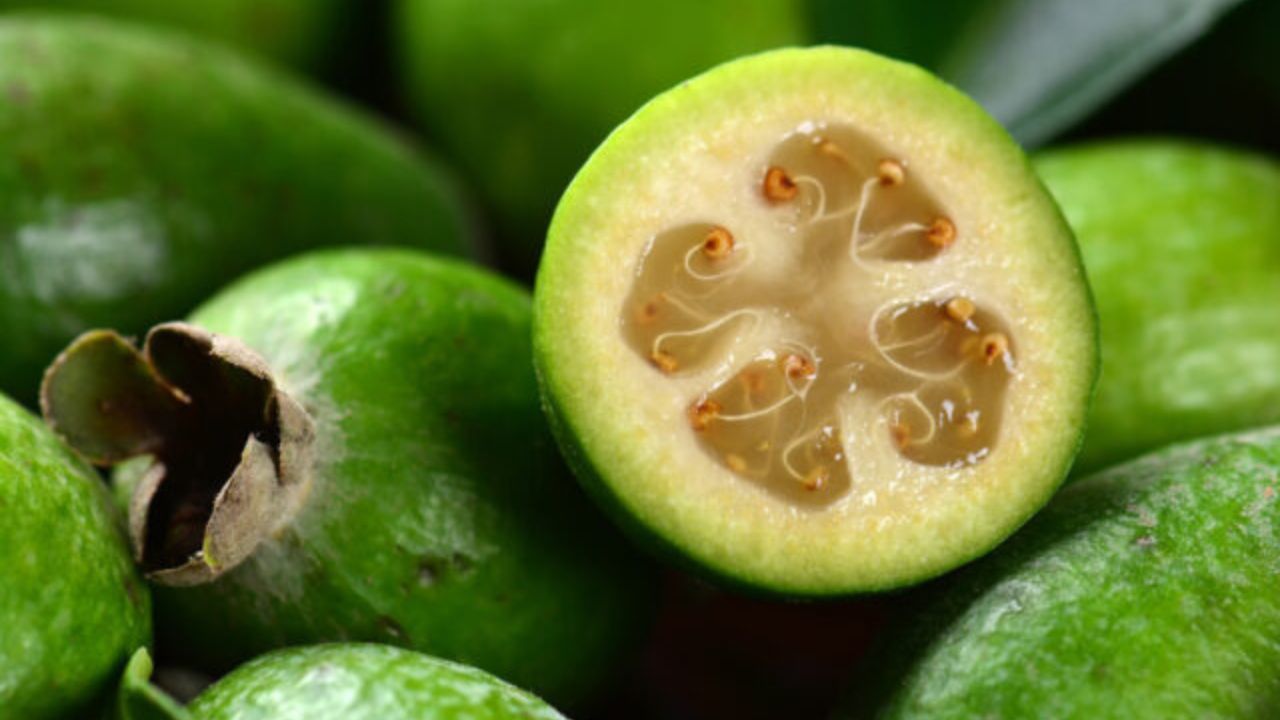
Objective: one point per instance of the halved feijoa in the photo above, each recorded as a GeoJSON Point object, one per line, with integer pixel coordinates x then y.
{"type": "Point", "coordinates": [810, 322]}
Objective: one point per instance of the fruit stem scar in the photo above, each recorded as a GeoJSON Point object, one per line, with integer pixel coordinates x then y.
{"type": "Point", "coordinates": [891, 173]}
{"type": "Point", "coordinates": [718, 243]}
{"type": "Point", "coordinates": [229, 451]}
{"type": "Point", "coordinates": [779, 186]}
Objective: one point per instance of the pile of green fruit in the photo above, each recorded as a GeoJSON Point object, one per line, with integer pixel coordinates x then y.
{"type": "Point", "coordinates": [807, 325]}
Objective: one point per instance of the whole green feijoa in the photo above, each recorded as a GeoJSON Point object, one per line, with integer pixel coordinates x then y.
{"type": "Point", "coordinates": [298, 33]}
{"type": "Point", "coordinates": [1182, 245]}
{"type": "Point", "coordinates": [518, 95]}
{"type": "Point", "coordinates": [839, 343]}
{"type": "Point", "coordinates": [357, 454]}
{"type": "Point", "coordinates": [72, 607]}
{"type": "Point", "coordinates": [1144, 591]}
{"type": "Point", "coordinates": [363, 682]}
{"type": "Point", "coordinates": [139, 172]}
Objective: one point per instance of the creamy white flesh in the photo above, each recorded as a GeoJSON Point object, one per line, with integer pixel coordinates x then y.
{"type": "Point", "coordinates": [843, 353]}
{"type": "Point", "coordinates": [909, 490]}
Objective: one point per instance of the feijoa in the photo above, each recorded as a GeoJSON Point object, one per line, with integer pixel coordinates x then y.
{"type": "Point", "coordinates": [363, 682]}
{"type": "Point", "coordinates": [141, 172]}
{"type": "Point", "coordinates": [810, 323]}
{"type": "Point", "coordinates": [519, 94]}
{"type": "Point", "coordinates": [376, 467]}
{"type": "Point", "coordinates": [72, 606]}
{"type": "Point", "coordinates": [1182, 245]}
{"type": "Point", "coordinates": [1145, 591]}
{"type": "Point", "coordinates": [299, 33]}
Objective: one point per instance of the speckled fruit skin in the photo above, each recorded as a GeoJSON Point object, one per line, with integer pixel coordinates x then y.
{"type": "Point", "coordinates": [440, 517]}
{"type": "Point", "coordinates": [142, 172]}
{"type": "Point", "coordinates": [519, 95]}
{"type": "Point", "coordinates": [359, 682]}
{"type": "Point", "coordinates": [1145, 591]}
{"type": "Point", "coordinates": [72, 607]}
{"type": "Point", "coordinates": [1181, 243]}
{"type": "Point", "coordinates": [298, 33]}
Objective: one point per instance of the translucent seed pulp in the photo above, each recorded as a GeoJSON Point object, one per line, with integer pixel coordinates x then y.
{"type": "Point", "coordinates": [934, 373]}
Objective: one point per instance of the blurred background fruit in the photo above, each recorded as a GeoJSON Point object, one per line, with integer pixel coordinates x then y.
{"type": "Point", "coordinates": [518, 95]}
{"type": "Point", "coordinates": [1181, 241]}
{"type": "Point", "coordinates": [144, 170]}
{"type": "Point", "coordinates": [302, 34]}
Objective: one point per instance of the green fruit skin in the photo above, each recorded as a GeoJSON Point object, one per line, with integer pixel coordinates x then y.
{"type": "Point", "coordinates": [1145, 591]}
{"type": "Point", "coordinates": [297, 33]}
{"type": "Point", "coordinates": [440, 517]}
{"type": "Point", "coordinates": [142, 172]}
{"type": "Point", "coordinates": [518, 96]}
{"type": "Point", "coordinates": [72, 607]}
{"type": "Point", "coordinates": [1181, 243]}
{"type": "Point", "coordinates": [363, 682]}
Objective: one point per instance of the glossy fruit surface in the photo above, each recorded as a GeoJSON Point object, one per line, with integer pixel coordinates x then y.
{"type": "Point", "coordinates": [518, 95]}
{"type": "Point", "coordinates": [836, 343]}
{"type": "Point", "coordinates": [72, 607]}
{"type": "Point", "coordinates": [419, 501]}
{"type": "Point", "coordinates": [1144, 591]}
{"type": "Point", "coordinates": [1182, 246]}
{"type": "Point", "coordinates": [363, 682]}
{"type": "Point", "coordinates": [144, 171]}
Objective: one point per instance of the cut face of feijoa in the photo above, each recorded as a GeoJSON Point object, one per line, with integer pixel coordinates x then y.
{"type": "Point", "coordinates": [810, 322]}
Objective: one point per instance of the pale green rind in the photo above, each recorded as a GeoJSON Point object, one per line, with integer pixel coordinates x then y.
{"type": "Point", "coordinates": [1145, 591]}
{"type": "Point", "coordinates": [602, 460]}
{"type": "Point", "coordinates": [72, 607]}
{"type": "Point", "coordinates": [1182, 246]}
{"type": "Point", "coordinates": [363, 682]}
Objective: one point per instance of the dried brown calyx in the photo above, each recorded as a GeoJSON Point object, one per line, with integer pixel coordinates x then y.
{"type": "Point", "coordinates": [229, 452]}
{"type": "Point", "coordinates": [839, 340]}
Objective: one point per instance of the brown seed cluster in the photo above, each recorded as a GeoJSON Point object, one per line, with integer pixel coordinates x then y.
{"type": "Point", "coordinates": [776, 421]}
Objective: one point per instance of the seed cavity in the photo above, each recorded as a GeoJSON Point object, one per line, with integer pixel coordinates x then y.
{"type": "Point", "coordinates": [933, 372]}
